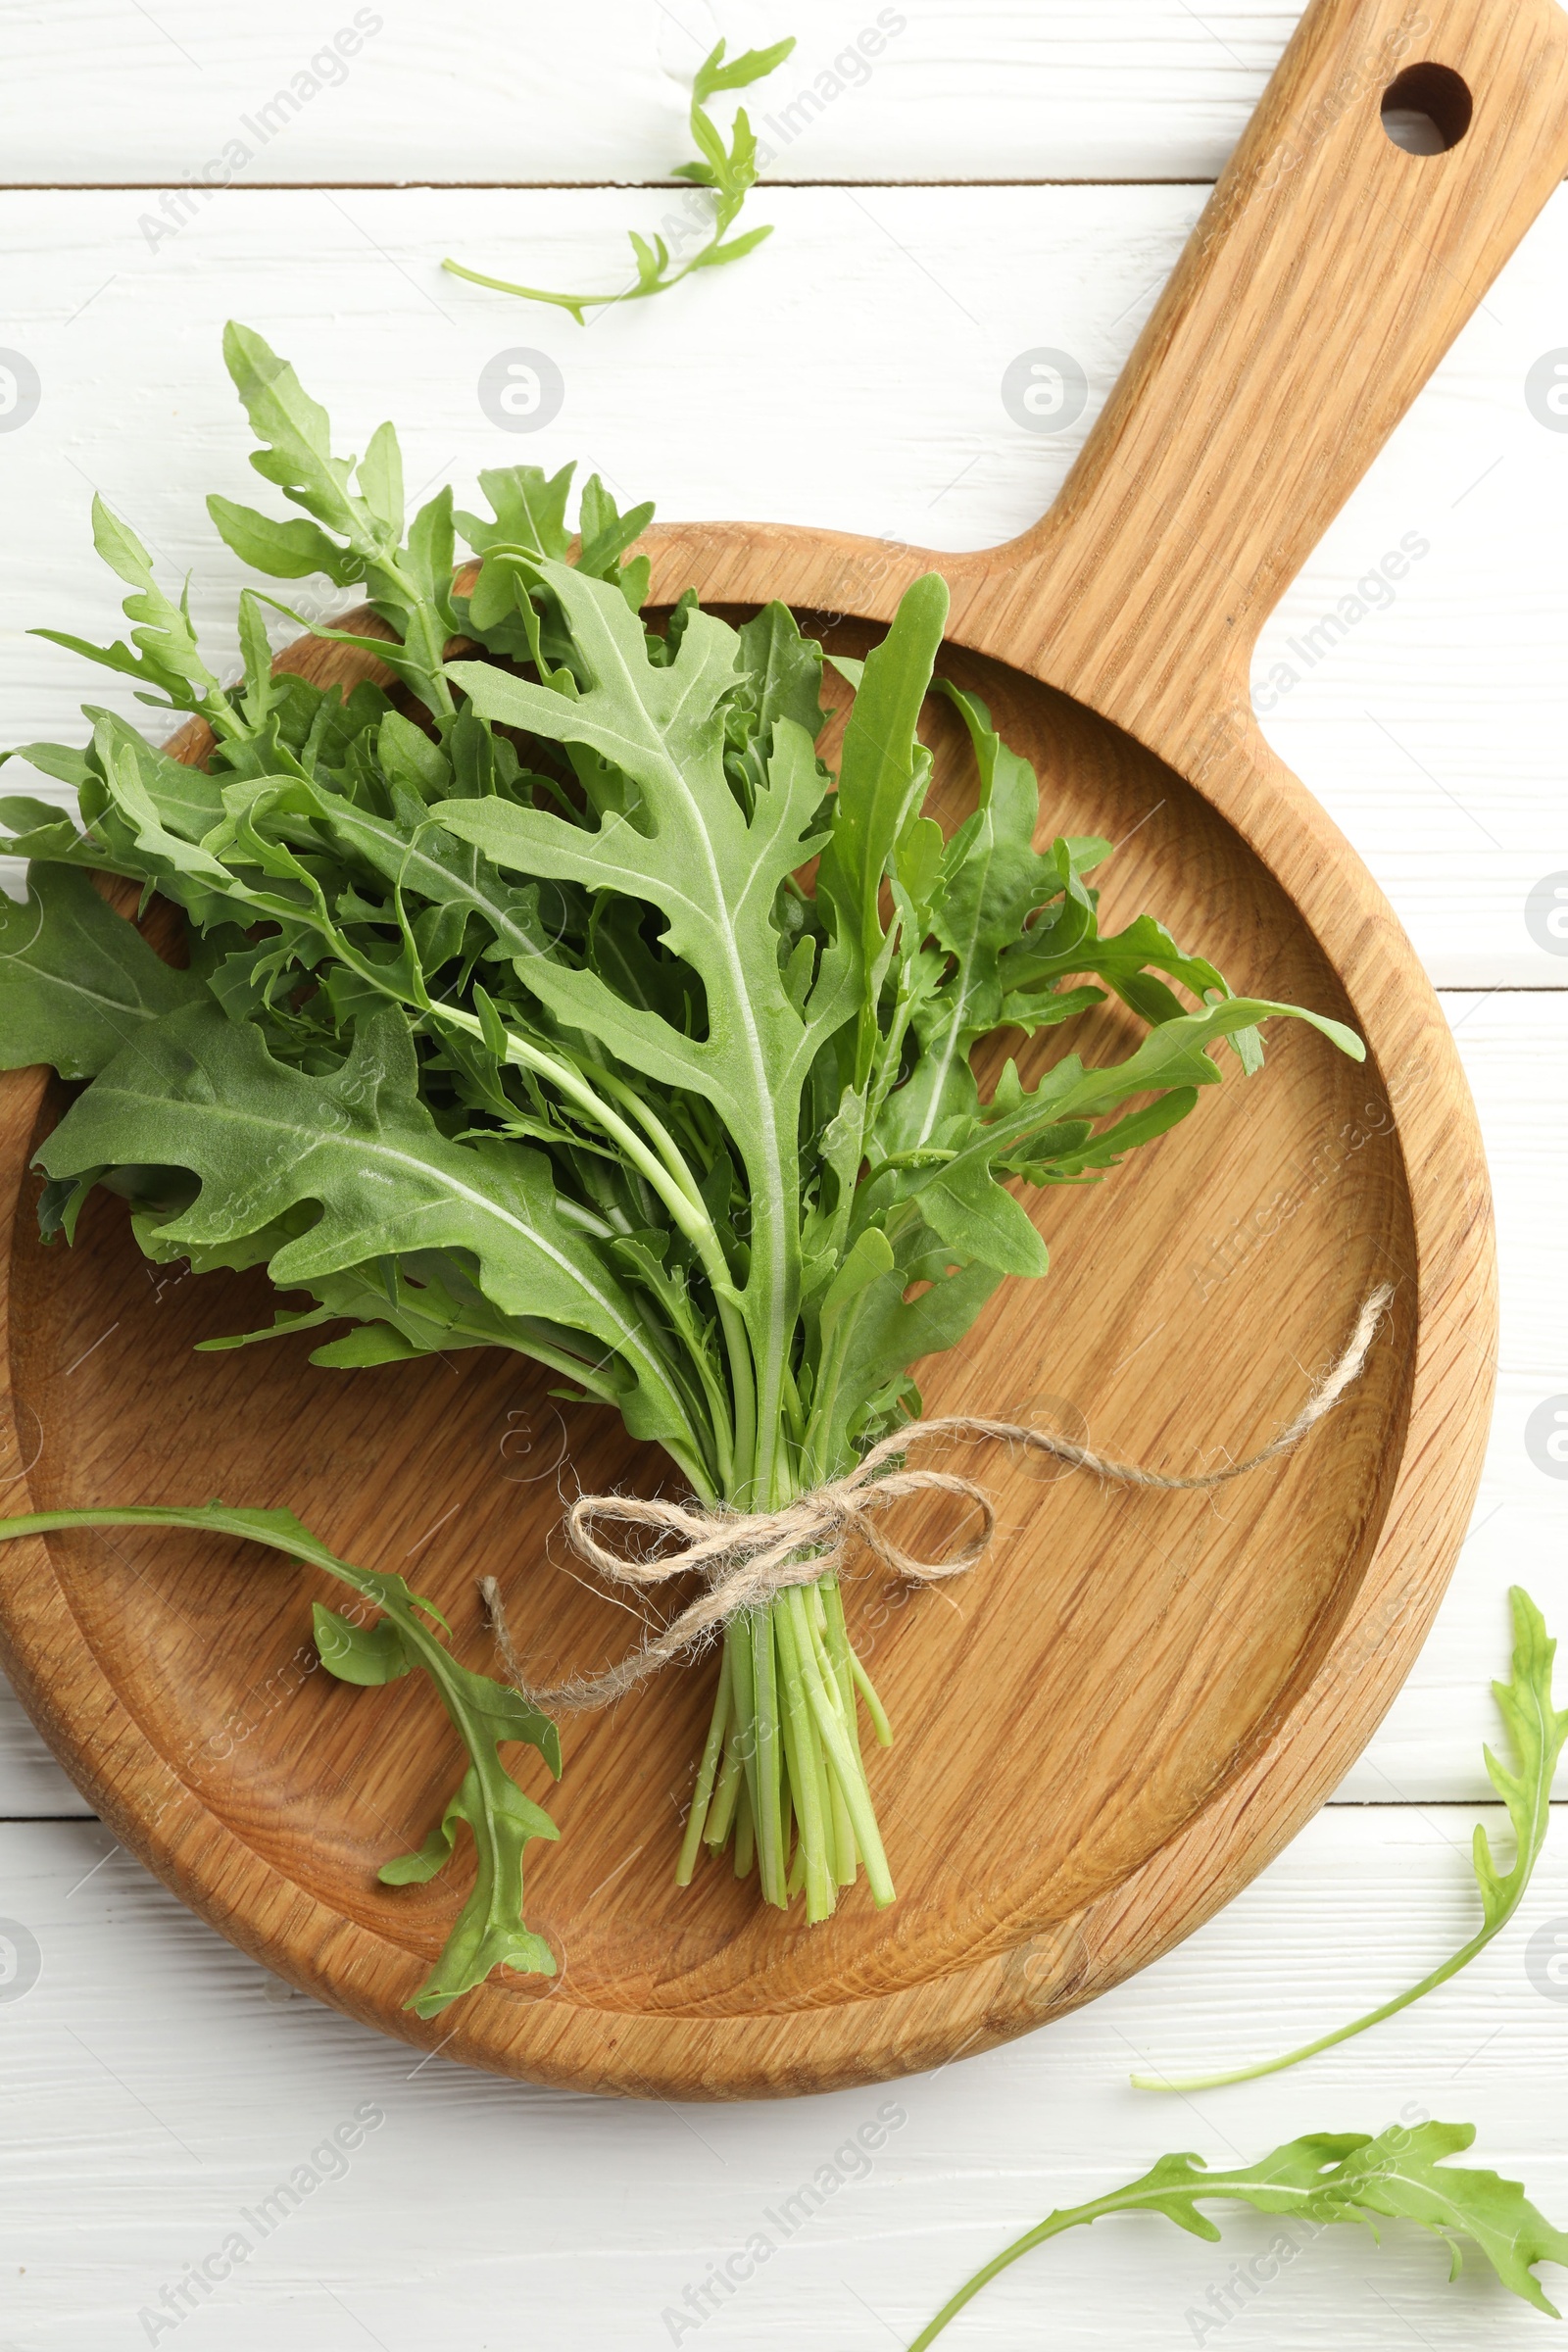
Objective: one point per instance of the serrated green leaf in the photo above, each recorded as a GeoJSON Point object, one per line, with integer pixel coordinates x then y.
{"type": "Point", "coordinates": [605, 533]}
{"type": "Point", "coordinates": [60, 759]}
{"type": "Point", "coordinates": [286, 550]}
{"type": "Point", "coordinates": [1323, 2178]}
{"type": "Point", "coordinates": [163, 653]}
{"type": "Point", "coordinates": [733, 249]}
{"type": "Point", "coordinates": [296, 451]}
{"type": "Point", "coordinates": [489, 1932]}
{"type": "Point", "coordinates": [974, 1215]}
{"type": "Point", "coordinates": [197, 1092]}
{"type": "Point", "coordinates": [882, 772]}
{"type": "Point", "coordinates": [528, 509]}
{"type": "Point", "coordinates": [716, 74]}
{"type": "Point", "coordinates": [36, 829]}
{"type": "Point", "coordinates": [76, 980]}
{"type": "Point", "coordinates": [379, 476]}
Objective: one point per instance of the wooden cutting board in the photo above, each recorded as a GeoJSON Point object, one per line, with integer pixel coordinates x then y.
{"type": "Point", "coordinates": [1133, 1704]}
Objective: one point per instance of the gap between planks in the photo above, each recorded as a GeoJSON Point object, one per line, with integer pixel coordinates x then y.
{"type": "Point", "coordinates": [658, 188]}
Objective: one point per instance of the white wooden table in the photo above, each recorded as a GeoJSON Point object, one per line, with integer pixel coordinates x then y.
{"type": "Point", "coordinates": [1003, 176]}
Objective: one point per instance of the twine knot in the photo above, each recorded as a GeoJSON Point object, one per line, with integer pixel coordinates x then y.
{"type": "Point", "coordinates": [746, 1558]}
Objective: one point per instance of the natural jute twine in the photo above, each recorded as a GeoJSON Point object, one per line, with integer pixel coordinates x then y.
{"type": "Point", "coordinates": [746, 1556]}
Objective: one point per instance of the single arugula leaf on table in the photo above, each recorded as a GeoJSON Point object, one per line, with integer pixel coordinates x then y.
{"type": "Point", "coordinates": [1538, 1730]}
{"type": "Point", "coordinates": [500, 1817]}
{"type": "Point", "coordinates": [727, 170]}
{"type": "Point", "coordinates": [1323, 2178]}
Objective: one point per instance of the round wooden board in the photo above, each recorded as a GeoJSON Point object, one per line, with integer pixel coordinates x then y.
{"type": "Point", "coordinates": [1110, 1726]}
{"type": "Point", "coordinates": [1101, 1734]}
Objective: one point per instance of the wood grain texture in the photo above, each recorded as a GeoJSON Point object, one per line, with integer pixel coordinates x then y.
{"type": "Point", "coordinates": [1168, 1726]}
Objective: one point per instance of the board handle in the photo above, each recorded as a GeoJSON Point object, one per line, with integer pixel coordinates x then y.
{"type": "Point", "coordinates": [1328, 274]}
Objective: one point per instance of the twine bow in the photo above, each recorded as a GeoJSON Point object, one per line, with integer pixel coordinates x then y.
{"type": "Point", "coordinates": [746, 1556]}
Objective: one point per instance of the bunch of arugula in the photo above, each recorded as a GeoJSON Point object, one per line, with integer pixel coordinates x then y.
{"type": "Point", "coordinates": [510, 1020]}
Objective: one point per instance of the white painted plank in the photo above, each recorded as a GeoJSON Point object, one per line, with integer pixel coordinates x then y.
{"type": "Point", "coordinates": [158, 2087]}
{"type": "Point", "coordinates": [1431, 731]}
{"type": "Point", "coordinates": [105, 90]}
{"type": "Point", "coordinates": [1514, 1048]}
{"type": "Point", "coordinates": [32, 1786]}
{"type": "Point", "coordinates": [1515, 1051]}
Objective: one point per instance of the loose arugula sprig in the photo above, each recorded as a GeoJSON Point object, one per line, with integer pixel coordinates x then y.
{"type": "Point", "coordinates": [510, 1021]}
{"type": "Point", "coordinates": [1325, 2177]}
{"type": "Point", "coordinates": [730, 171]}
{"type": "Point", "coordinates": [501, 1818]}
{"type": "Point", "coordinates": [1538, 1731]}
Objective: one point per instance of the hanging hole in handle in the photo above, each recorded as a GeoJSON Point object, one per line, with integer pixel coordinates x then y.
{"type": "Point", "coordinates": [1427, 109]}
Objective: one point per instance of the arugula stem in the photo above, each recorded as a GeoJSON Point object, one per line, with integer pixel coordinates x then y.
{"type": "Point", "coordinates": [745, 1836]}
{"type": "Point", "coordinates": [576, 304]}
{"type": "Point", "coordinates": [840, 1684]}
{"type": "Point", "coordinates": [800, 1745]}
{"type": "Point", "coordinates": [833, 1603]}
{"type": "Point", "coordinates": [1066, 2217]}
{"type": "Point", "coordinates": [706, 1773]}
{"type": "Point", "coordinates": [785, 1727]}
{"type": "Point", "coordinates": [1538, 1732]}
{"type": "Point", "coordinates": [743, 1692]}
{"type": "Point", "coordinates": [1327, 2041]}
{"type": "Point", "coordinates": [772, 1833]}
{"type": "Point", "coordinates": [659, 1134]}
{"type": "Point", "coordinates": [692, 1219]}
{"type": "Point", "coordinates": [678, 1192]}
{"type": "Point", "coordinates": [840, 1680]}
{"type": "Point", "coordinates": [729, 1790]}
{"type": "Point", "coordinates": [845, 1756]}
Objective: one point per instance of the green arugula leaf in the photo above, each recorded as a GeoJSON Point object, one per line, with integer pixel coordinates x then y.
{"type": "Point", "coordinates": [1538, 1730]}
{"type": "Point", "coordinates": [198, 1092]}
{"type": "Point", "coordinates": [489, 1932]}
{"type": "Point", "coordinates": [529, 510]}
{"type": "Point", "coordinates": [884, 773]}
{"type": "Point", "coordinates": [716, 73]}
{"type": "Point", "coordinates": [76, 980]}
{"type": "Point", "coordinates": [1323, 2178]}
{"type": "Point", "coordinates": [362, 506]}
{"type": "Point", "coordinates": [882, 1330]}
{"type": "Point", "coordinates": [285, 551]}
{"type": "Point", "coordinates": [729, 171]}
{"type": "Point", "coordinates": [689, 849]}
{"type": "Point", "coordinates": [166, 654]}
